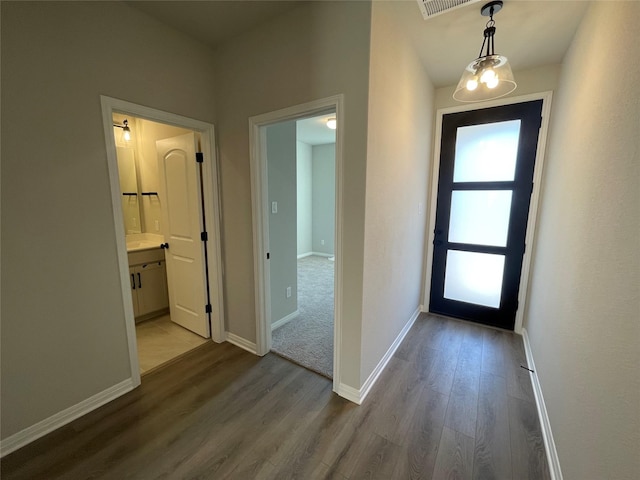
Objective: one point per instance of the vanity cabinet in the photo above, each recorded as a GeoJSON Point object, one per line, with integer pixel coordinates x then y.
{"type": "Point", "coordinates": [148, 280]}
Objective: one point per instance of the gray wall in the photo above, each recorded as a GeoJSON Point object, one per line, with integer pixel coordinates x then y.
{"type": "Point", "coordinates": [314, 51]}
{"type": "Point", "coordinates": [324, 197]}
{"type": "Point", "coordinates": [281, 173]}
{"type": "Point", "coordinates": [63, 326]}
{"type": "Point", "coordinates": [584, 303]}
{"type": "Point", "coordinates": [398, 153]}
{"type": "Point", "coordinates": [304, 189]}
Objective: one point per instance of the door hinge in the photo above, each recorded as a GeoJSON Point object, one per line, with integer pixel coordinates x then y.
{"type": "Point", "coordinates": [199, 157]}
{"type": "Point", "coordinates": [268, 255]}
{"type": "Point", "coordinates": [207, 308]}
{"type": "Point", "coordinates": [204, 236]}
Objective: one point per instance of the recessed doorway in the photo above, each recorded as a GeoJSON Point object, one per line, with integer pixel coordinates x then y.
{"type": "Point", "coordinates": [486, 190]}
{"type": "Point", "coordinates": [301, 180]}
{"type": "Point", "coordinates": [296, 246]}
{"type": "Point", "coordinates": [164, 193]}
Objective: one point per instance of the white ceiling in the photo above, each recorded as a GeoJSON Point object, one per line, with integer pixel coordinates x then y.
{"type": "Point", "coordinates": [530, 33]}
{"type": "Point", "coordinates": [213, 21]}
{"type": "Point", "coordinates": [314, 131]}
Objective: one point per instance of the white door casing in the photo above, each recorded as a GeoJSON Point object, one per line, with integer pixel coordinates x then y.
{"type": "Point", "coordinates": [546, 97]}
{"type": "Point", "coordinates": [261, 209]}
{"type": "Point", "coordinates": [206, 131]}
{"type": "Point", "coordinates": [182, 225]}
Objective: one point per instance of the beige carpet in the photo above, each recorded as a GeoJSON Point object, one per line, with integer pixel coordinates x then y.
{"type": "Point", "coordinates": [308, 338]}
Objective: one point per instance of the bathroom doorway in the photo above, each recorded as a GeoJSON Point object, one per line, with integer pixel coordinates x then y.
{"type": "Point", "coordinates": [296, 181]}
{"type": "Point", "coordinates": [164, 189]}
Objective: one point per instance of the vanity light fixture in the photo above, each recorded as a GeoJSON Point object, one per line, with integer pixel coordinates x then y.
{"type": "Point", "coordinates": [126, 131]}
{"type": "Point", "coordinates": [489, 76]}
{"type": "Point", "coordinates": [332, 123]}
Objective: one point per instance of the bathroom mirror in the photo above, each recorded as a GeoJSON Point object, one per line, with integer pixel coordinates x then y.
{"type": "Point", "coordinates": [127, 172]}
{"type": "Point", "coordinates": [129, 189]}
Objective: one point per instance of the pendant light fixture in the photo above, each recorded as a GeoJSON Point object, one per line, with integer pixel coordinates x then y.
{"type": "Point", "coordinates": [489, 76]}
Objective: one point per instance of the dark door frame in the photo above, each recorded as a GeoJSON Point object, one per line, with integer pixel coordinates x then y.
{"type": "Point", "coordinates": [535, 196]}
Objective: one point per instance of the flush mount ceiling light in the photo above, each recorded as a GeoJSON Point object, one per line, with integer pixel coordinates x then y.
{"type": "Point", "coordinates": [331, 123]}
{"type": "Point", "coordinates": [489, 76]}
{"type": "Point", "coordinates": [126, 131]}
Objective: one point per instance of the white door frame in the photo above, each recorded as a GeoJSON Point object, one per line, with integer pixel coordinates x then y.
{"type": "Point", "coordinates": [211, 200]}
{"type": "Point", "coordinates": [260, 202]}
{"type": "Point", "coordinates": [533, 205]}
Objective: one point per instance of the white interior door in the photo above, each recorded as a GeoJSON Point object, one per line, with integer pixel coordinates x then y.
{"type": "Point", "coordinates": [182, 226]}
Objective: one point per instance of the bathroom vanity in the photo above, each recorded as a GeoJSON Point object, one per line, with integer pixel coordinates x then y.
{"type": "Point", "coordinates": [148, 279]}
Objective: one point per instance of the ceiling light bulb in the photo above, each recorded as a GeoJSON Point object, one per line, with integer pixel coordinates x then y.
{"type": "Point", "coordinates": [493, 83]}
{"type": "Point", "coordinates": [126, 131]}
{"type": "Point", "coordinates": [488, 76]}
{"type": "Point", "coordinates": [332, 124]}
{"type": "Point", "coordinates": [472, 84]}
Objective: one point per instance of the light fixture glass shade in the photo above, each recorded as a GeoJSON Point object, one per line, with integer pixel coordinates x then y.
{"type": "Point", "coordinates": [332, 123]}
{"type": "Point", "coordinates": [485, 78]}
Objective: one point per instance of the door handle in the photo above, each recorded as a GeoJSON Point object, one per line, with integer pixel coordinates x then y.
{"type": "Point", "coordinates": [133, 282]}
{"type": "Point", "coordinates": [139, 281]}
{"type": "Point", "coordinates": [164, 245]}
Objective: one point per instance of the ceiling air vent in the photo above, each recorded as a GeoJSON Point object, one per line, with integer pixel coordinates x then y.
{"type": "Point", "coordinates": [431, 8]}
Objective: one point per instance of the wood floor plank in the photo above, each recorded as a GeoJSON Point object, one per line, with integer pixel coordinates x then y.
{"type": "Point", "coordinates": [463, 400]}
{"type": "Point", "coordinates": [394, 415]}
{"type": "Point", "coordinates": [443, 370]}
{"type": "Point", "coordinates": [518, 379]}
{"type": "Point", "coordinates": [414, 339]}
{"type": "Point", "coordinates": [492, 455]}
{"type": "Point", "coordinates": [528, 458]}
{"type": "Point", "coordinates": [420, 446]}
{"type": "Point", "coordinates": [276, 442]}
{"type": "Point", "coordinates": [455, 456]}
{"type": "Point", "coordinates": [378, 460]}
{"type": "Point", "coordinates": [220, 412]}
{"type": "Point", "coordinates": [493, 352]}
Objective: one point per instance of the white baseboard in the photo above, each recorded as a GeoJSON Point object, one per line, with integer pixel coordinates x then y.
{"type": "Point", "coordinates": [242, 343]}
{"type": "Point", "coordinates": [284, 320]}
{"type": "Point", "coordinates": [350, 393]}
{"type": "Point", "coordinates": [545, 424]}
{"type": "Point", "coordinates": [317, 254]}
{"type": "Point", "coordinates": [358, 396]}
{"type": "Point", "coordinates": [48, 425]}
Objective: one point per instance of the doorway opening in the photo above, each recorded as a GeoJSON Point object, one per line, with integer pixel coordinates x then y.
{"type": "Point", "coordinates": [301, 182]}
{"type": "Point", "coordinates": [483, 212]}
{"type": "Point", "coordinates": [164, 192]}
{"type": "Point", "coordinates": [296, 167]}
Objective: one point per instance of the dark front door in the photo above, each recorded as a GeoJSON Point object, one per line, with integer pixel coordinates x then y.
{"type": "Point", "coordinates": [487, 160]}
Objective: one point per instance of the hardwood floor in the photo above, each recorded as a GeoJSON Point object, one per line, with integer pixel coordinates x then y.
{"type": "Point", "coordinates": [453, 402]}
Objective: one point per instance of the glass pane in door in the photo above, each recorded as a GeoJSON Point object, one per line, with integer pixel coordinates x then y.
{"type": "Point", "coordinates": [474, 277]}
{"type": "Point", "coordinates": [486, 152]}
{"type": "Point", "coordinates": [480, 217]}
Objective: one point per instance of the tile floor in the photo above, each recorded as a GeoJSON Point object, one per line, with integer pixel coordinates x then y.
{"type": "Point", "coordinates": [160, 340]}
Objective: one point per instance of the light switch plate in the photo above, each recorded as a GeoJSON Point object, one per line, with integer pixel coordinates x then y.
{"type": "Point", "coordinates": [274, 207]}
